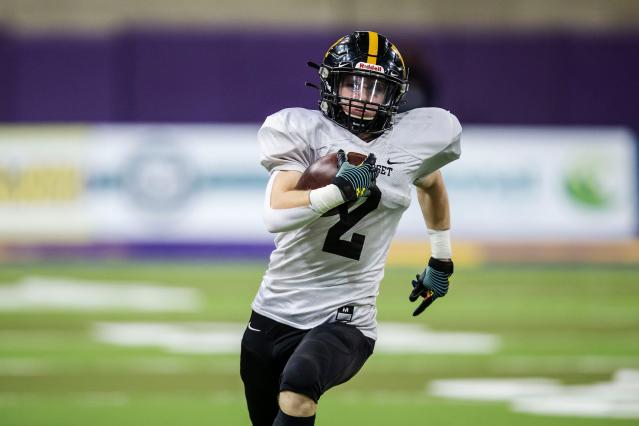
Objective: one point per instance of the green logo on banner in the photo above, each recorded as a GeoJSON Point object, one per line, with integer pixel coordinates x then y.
{"type": "Point", "coordinates": [584, 186]}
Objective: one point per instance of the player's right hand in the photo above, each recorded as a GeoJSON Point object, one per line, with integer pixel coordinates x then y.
{"type": "Point", "coordinates": [355, 181]}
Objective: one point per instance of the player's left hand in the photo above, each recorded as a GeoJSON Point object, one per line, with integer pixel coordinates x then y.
{"type": "Point", "coordinates": [432, 283]}
{"type": "Point", "coordinates": [355, 181]}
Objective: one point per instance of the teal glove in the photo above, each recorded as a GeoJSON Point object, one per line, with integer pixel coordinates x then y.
{"type": "Point", "coordinates": [355, 181]}
{"type": "Point", "coordinates": [432, 283]}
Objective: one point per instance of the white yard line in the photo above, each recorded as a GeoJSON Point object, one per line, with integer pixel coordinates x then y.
{"type": "Point", "coordinates": [618, 398]}
{"type": "Point", "coordinates": [178, 338]}
{"type": "Point", "coordinates": [220, 338]}
{"type": "Point", "coordinates": [42, 293]}
{"type": "Point", "coordinates": [400, 338]}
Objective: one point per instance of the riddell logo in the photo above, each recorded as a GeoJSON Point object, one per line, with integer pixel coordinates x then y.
{"type": "Point", "coordinates": [369, 67]}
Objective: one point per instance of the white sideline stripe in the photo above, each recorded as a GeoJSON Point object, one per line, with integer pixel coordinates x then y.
{"type": "Point", "coordinates": [218, 338]}
{"type": "Point", "coordinates": [618, 398]}
{"type": "Point", "coordinates": [37, 293]}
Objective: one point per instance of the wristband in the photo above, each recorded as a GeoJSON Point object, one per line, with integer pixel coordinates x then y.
{"type": "Point", "coordinates": [440, 244]}
{"type": "Point", "coordinates": [325, 198]}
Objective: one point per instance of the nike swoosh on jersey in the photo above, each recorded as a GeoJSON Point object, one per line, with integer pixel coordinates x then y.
{"type": "Point", "coordinates": [251, 328]}
{"type": "Point", "coordinates": [389, 162]}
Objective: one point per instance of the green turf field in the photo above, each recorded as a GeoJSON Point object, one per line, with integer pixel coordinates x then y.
{"type": "Point", "coordinates": [577, 325]}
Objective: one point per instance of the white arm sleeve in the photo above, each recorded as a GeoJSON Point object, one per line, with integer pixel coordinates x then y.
{"type": "Point", "coordinates": [282, 220]}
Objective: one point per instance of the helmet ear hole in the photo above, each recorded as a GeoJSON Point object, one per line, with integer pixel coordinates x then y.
{"type": "Point", "coordinates": [374, 60]}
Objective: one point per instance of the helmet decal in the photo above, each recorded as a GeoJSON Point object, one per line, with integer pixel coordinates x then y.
{"type": "Point", "coordinates": [369, 67]}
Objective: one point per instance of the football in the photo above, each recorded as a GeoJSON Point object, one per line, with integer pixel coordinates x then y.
{"type": "Point", "coordinates": [322, 172]}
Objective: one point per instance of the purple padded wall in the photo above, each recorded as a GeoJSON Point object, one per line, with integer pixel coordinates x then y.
{"type": "Point", "coordinates": [6, 78]}
{"type": "Point", "coordinates": [604, 82]}
{"type": "Point", "coordinates": [220, 77]}
{"type": "Point", "coordinates": [62, 79]}
{"type": "Point", "coordinates": [500, 79]}
{"type": "Point", "coordinates": [506, 78]}
{"type": "Point", "coordinates": [209, 76]}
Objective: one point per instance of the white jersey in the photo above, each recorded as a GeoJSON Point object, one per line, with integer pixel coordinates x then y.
{"type": "Point", "coordinates": [329, 270]}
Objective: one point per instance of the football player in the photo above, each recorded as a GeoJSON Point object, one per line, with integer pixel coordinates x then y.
{"type": "Point", "coordinates": [313, 321]}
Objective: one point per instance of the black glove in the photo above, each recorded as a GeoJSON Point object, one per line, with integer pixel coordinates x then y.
{"type": "Point", "coordinates": [432, 283]}
{"type": "Point", "coordinates": [355, 181]}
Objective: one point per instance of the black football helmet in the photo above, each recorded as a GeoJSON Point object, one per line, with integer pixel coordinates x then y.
{"type": "Point", "coordinates": [363, 80]}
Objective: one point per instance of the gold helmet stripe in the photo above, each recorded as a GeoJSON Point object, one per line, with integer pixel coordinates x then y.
{"type": "Point", "coordinates": [333, 45]}
{"type": "Point", "coordinates": [373, 43]}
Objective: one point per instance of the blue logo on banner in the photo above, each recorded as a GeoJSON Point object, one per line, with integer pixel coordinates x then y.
{"type": "Point", "coordinates": [159, 178]}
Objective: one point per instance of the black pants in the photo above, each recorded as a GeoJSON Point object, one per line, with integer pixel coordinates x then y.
{"type": "Point", "coordinates": [276, 357]}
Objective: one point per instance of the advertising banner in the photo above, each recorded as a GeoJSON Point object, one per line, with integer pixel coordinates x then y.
{"type": "Point", "coordinates": [540, 184]}
{"type": "Point", "coordinates": [202, 184]}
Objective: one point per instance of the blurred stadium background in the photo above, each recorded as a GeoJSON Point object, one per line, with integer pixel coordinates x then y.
{"type": "Point", "coordinates": [131, 242]}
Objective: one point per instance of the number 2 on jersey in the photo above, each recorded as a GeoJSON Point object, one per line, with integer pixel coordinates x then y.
{"type": "Point", "coordinates": [351, 249]}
